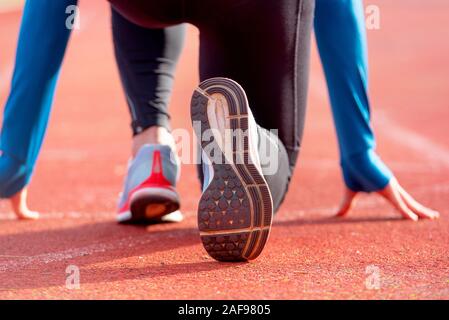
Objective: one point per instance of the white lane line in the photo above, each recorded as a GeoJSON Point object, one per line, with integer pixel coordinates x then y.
{"type": "Point", "coordinates": [63, 215]}
{"type": "Point", "coordinates": [5, 214]}
{"type": "Point", "coordinates": [96, 248]}
{"type": "Point", "coordinates": [64, 154]}
{"type": "Point", "coordinates": [52, 257]}
{"type": "Point", "coordinates": [422, 145]}
{"type": "Point", "coordinates": [5, 76]}
{"type": "Point", "coordinates": [436, 188]}
{"type": "Point", "coordinates": [397, 166]}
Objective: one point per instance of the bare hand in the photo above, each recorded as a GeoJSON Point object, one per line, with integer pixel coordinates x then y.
{"type": "Point", "coordinates": [398, 197]}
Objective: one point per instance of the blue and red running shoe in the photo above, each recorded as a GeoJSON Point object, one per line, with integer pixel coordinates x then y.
{"type": "Point", "coordinates": [149, 193]}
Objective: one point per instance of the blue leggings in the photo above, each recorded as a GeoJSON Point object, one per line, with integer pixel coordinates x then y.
{"type": "Point", "coordinates": [339, 27]}
{"type": "Point", "coordinates": [341, 37]}
{"type": "Point", "coordinates": [41, 47]}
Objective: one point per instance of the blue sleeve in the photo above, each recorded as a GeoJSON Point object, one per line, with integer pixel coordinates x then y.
{"type": "Point", "coordinates": [341, 38]}
{"type": "Point", "coordinates": [41, 46]}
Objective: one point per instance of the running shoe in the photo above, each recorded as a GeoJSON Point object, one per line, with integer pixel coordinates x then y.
{"type": "Point", "coordinates": [149, 193]}
{"type": "Point", "coordinates": [235, 210]}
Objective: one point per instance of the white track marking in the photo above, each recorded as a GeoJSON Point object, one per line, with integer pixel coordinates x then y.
{"type": "Point", "coordinates": [7, 215]}
{"type": "Point", "coordinates": [397, 166]}
{"type": "Point", "coordinates": [121, 244]}
{"type": "Point", "coordinates": [18, 262]}
{"type": "Point", "coordinates": [63, 215]}
{"type": "Point", "coordinates": [5, 76]}
{"type": "Point", "coordinates": [46, 258]}
{"type": "Point", "coordinates": [64, 154]}
{"type": "Point", "coordinates": [436, 188]}
{"type": "Point", "coordinates": [424, 146]}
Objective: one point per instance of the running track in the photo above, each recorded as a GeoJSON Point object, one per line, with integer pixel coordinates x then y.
{"type": "Point", "coordinates": [309, 255]}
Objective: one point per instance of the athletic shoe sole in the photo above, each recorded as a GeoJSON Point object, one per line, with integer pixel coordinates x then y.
{"type": "Point", "coordinates": [235, 211]}
{"type": "Point", "coordinates": [149, 205]}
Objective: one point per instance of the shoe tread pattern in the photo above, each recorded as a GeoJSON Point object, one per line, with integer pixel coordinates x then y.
{"type": "Point", "coordinates": [235, 211]}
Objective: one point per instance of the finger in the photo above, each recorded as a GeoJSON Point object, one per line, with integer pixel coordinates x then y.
{"type": "Point", "coordinates": [415, 206]}
{"type": "Point", "coordinates": [347, 203]}
{"type": "Point", "coordinates": [391, 193]}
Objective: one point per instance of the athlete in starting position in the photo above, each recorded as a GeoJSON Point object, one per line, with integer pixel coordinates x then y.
{"type": "Point", "coordinates": [266, 54]}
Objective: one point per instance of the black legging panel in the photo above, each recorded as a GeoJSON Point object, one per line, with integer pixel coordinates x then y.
{"type": "Point", "coordinates": [263, 45]}
{"type": "Point", "coordinates": [147, 60]}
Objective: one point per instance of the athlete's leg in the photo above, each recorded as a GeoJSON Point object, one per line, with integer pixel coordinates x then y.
{"type": "Point", "coordinates": [341, 37]}
{"type": "Point", "coordinates": [147, 60]}
{"type": "Point", "coordinates": [42, 43]}
{"type": "Point", "coordinates": [345, 63]}
{"type": "Point", "coordinates": [264, 46]}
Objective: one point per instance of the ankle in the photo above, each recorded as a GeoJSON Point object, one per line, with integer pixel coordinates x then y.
{"type": "Point", "coordinates": [153, 135]}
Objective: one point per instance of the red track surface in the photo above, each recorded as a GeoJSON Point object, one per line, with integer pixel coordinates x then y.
{"type": "Point", "coordinates": [309, 255]}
